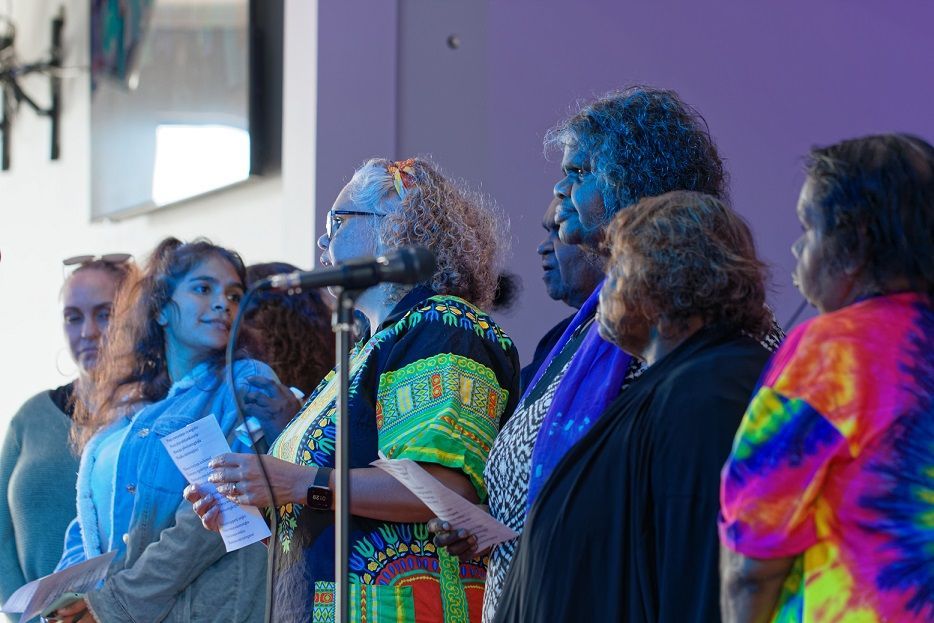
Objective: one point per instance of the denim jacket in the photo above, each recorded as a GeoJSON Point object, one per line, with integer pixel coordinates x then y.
{"type": "Point", "coordinates": [168, 567]}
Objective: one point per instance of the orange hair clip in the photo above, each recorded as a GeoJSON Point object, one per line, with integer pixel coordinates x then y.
{"type": "Point", "coordinates": [403, 175]}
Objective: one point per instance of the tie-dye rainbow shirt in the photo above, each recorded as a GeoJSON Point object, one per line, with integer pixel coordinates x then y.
{"type": "Point", "coordinates": [834, 465]}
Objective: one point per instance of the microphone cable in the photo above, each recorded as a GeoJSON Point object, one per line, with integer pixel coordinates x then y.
{"type": "Point", "coordinates": [273, 517]}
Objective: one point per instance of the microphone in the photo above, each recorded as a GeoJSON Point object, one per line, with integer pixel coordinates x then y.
{"type": "Point", "coordinates": [405, 265]}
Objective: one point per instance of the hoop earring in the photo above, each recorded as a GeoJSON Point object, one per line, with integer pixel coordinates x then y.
{"type": "Point", "coordinates": [63, 370]}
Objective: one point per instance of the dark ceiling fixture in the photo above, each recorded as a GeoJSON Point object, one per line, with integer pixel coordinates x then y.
{"type": "Point", "coordinates": [13, 95]}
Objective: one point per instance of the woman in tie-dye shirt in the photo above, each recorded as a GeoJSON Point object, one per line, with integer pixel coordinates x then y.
{"type": "Point", "coordinates": [828, 495]}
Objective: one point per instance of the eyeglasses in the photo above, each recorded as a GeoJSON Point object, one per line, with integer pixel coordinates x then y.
{"type": "Point", "coordinates": [333, 224]}
{"type": "Point", "coordinates": [107, 258]}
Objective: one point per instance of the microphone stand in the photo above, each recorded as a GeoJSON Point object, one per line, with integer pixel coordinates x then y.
{"type": "Point", "coordinates": [405, 265]}
{"type": "Point", "coordinates": [342, 324]}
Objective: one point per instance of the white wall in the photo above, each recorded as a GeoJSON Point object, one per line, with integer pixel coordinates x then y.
{"type": "Point", "coordinates": [45, 205]}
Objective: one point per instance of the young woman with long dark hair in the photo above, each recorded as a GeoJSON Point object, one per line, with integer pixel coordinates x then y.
{"type": "Point", "coordinates": [163, 369]}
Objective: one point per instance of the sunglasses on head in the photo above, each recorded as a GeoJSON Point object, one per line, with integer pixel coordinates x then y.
{"type": "Point", "coordinates": [107, 258]}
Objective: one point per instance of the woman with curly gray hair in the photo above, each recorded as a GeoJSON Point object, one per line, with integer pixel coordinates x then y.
{"type": "Point", "coordinates": [430, 385]}
{"type": "Point", "coordinates": [635, 502]}
{"type": "Point", "coordinates": [616, 150]}
{"type": "Point", "coordinates": [635, 143]}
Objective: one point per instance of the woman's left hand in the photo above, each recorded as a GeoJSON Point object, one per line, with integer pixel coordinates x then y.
{"type": "Point", "coordinates": [272, 403]}
{"type": "Point", "coordinates": [240, 478]}
{"type": "Point", "coordinates": [458, 543]}
{"type": "Point", "coordinates": [76, 612]}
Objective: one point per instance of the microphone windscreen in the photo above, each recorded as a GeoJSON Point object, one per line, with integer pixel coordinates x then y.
{"type": "Point", "coordinates": [421, 261]}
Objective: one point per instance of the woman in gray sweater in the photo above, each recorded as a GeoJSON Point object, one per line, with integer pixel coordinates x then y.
{"type": "Point", "coordinates": [37, 466]}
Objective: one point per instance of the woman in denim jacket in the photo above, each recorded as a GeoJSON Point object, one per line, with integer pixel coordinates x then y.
{"type": "Point", "coordinates": [162, 370]}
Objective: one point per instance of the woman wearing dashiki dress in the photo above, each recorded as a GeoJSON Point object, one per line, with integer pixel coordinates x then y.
{"type": "Point", "coordinates": [431, 385]}
{"type": "Point", "coordinates": [828, 495]}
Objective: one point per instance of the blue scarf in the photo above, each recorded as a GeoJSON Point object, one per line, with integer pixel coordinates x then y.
{"type": "Point", "coordinates": [593, 380]}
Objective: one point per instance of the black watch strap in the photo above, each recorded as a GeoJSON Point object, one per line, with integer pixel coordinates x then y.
{"type": "Point", "coordinates": [323, 477]}
{"type": "Point", "coordinates": [319, 493]}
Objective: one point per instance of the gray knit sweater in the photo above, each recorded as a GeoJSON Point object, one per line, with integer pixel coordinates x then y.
{"type": "Point", "coordinates": [37, 492]}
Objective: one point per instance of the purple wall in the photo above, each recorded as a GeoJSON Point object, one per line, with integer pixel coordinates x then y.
{"type": "Point", "coordinates": [770, 80]}
{"type": "Point", "coordinates": [356, 115]}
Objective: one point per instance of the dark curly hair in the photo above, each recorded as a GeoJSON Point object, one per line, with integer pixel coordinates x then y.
{"type": "Point", "coordinates": [508, 289]}
{"type": "Point", "coordinates": [875, 196]}
{"type": "Point", "coordinates": [685, 254]}
{"type": "Point", "coordinates": [133, 369]}
{"type": "Point", "coordinates": [643, 142]}
{"type": "Point", "coordinates": [292, 333]}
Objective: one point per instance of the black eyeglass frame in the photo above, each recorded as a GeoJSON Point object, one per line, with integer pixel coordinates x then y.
{"type": "Point", "coordinates": [330, 229]}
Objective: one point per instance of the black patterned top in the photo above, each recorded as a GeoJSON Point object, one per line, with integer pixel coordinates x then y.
{"type": "Point", "coordinates": [510, 462]}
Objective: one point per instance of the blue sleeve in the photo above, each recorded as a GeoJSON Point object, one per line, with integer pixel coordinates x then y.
{"type": "Point", "coordinates": [74, 547]}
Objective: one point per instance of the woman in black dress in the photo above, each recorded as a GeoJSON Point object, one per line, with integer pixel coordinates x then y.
{"type": "Point", "coordinates": [625, 528]}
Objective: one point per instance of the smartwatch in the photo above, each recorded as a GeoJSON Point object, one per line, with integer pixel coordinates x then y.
{"type": "Point", "coordinates": [320, 495]}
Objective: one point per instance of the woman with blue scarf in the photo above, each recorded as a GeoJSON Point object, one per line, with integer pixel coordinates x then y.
{"type": "Point", "coordinates": [637, 143]}
{"type": "Point", "coordinates": [624, 529]}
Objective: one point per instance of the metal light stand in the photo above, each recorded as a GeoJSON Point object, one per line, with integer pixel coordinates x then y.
{"type": "Point", "coordinates": [342, 324]}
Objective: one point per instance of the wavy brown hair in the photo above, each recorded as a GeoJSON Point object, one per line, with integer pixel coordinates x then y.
{"type": "Point", "coordinates": [458, 225]}
{"type": "Point", "coordinates": [133, 371]}
{"type": "Point", "coordinates": [686, 254]}
{"type": "Point", "coordinates": [292, 333]}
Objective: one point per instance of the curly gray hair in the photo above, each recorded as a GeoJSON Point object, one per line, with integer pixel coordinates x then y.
{"type": "Point", "coordinates": [643, 142]}
{"type": "Point", "coordinates": [459, 226]}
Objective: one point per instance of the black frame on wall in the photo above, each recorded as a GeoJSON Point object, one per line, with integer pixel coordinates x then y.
{"type": "Point", "coordinates": [267, 19]}
{"type": "Point", "coordinates": [263, 118]}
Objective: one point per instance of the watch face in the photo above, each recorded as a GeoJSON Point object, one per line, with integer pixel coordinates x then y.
{"type": "Point", "coordinates": [319, 498]}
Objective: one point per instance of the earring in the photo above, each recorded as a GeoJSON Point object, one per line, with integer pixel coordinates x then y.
{"type": "Point", "coordinates": [63, 370]}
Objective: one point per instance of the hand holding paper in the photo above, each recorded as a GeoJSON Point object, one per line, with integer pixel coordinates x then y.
{"type": "Point", "coordinates": [446, 504]}
{"type": "Point", "coordinates": [191, 448]}
{"type": "Point", "coordinates": [39, 595]}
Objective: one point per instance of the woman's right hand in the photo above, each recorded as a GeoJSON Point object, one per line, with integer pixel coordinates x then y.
{"type": "Point", "coordinates": [458, 543]}
{"type": "Point", "coordinates": [206, 505]}
{"type": "Point", "coordinates": [77, 612]}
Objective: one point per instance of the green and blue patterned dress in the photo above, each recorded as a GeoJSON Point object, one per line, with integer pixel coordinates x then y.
{"type": "Point", "coordinates": [431, 385]}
